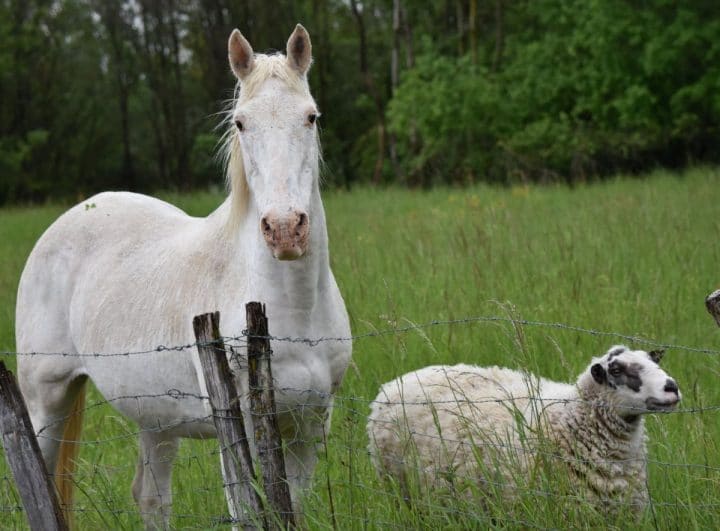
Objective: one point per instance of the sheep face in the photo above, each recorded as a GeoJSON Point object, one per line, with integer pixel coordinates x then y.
{"type": "Point", "coordinates": [633, 382]}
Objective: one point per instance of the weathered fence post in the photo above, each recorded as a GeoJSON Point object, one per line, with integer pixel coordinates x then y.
{"type": "Point", "coordinates": [227, 415]}
{"type": "Point", "coordinates": [712, 303]}
{"type": "Point", "coordinates": [23, 455]}
{"type": "Point", "coordinates": [262, 409]}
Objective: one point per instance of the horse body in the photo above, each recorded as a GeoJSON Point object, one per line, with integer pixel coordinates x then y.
{"type": "Point", "coordinates": [123, 273]}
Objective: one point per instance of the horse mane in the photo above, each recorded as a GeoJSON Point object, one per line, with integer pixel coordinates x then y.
{"type": "Point", "coordinates": [265, 67]}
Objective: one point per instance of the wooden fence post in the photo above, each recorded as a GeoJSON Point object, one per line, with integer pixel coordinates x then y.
{"type": "Point", "coordinates": [239, 474]}
{"type": "Point", "coordinates": [23, 455]}
{"type": "Point", "coordinates": [264, 415]}
{"type": "Point", "coordinates": [712, 303]}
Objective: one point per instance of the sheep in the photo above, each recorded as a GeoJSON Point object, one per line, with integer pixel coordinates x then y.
{"type": "Point", "coordinates": [491, 427]}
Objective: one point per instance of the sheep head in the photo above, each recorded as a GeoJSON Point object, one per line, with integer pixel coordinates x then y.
{"type": "Point", "coordinates": [631, 382]}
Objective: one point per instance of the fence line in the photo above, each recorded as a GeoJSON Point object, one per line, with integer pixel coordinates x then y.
{"type": "Point", "coordinates": [338, 404]}
{"type": "Point", "coordinates": [357, 407]}
{"type": "Point", "coordinates": [479, 444]}
{"type": "Point", "coordinates": [241, 340]}
{"type": "Point", "coordinates": [217, 451]}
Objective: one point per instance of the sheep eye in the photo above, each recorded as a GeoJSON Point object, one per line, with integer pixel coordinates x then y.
{"type": "Point", "coordinates": [615, 371]}
{"type": "Point", "coordinates": [239, 125]}
{"type": "Point", "coordinates": [312, 118]}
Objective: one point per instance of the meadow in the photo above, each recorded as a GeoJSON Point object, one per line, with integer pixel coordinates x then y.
{"type": "Point", "coordinates": [628, 256]}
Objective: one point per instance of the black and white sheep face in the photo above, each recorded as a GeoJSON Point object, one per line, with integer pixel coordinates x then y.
{"type": "Point", "coordinates": [633, 381]}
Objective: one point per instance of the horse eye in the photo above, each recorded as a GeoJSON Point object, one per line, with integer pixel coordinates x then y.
{"type": "Point", "coordinates": [312, 118]}
{"type": "Point", "coordinates": [239, 125]}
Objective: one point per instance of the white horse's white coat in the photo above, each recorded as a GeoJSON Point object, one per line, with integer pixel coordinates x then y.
{"type": "Point", "coordinates": [124, 272]}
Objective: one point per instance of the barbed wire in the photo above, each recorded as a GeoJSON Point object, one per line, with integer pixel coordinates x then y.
{"type": "Point", "coordinates": [487, 319]}
{"type": "Point", "coordinates": [154, 350]}
{"type": "Point", "coordinates": [241, 339]}
{"type": "Point", "coordinates": [177, 394]}
{"type": "Point", "coordinates": [351, 410]}
{"type": "Point", "coordinates": [170, 393]}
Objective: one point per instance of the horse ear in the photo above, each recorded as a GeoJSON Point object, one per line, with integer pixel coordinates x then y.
{"type": "Point", "coordinates": [240, 54]}
{"type": "Point", "coordinates": [656, 355]}
{"type": "Point", "coordinates": [299, 50]}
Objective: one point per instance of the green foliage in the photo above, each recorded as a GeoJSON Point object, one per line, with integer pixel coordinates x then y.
{"type": "Point", "coordinates": [203, 165]}
{"type": "Point", "coordinates": [584, 88]}
{"type": "Point", "coordinates": [453, 110]}
{"type": "Point", "coordinates": [534, 90]}
{"type": "Point", "coordinates": [15, 155]}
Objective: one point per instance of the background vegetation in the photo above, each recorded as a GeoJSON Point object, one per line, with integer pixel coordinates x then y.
{"type": "Point", "coordinates": [626, 256]}
{"type": "Point", "coordinates": [123, 94]}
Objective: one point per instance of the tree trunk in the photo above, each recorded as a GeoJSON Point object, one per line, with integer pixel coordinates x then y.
{"type": "Point", "coordinates": [372, 91]}
{"type": "Point", "coordinates": [320, 17]}
{"type": "Point", "coordinates": [128, 168]}
{"type": "Point", "coordinates": [499, 36]}
{"type": "Point", "coordinates": [408, 33]}
{"type": "Point", "coordinates": [182, 147]}
{"type": "Point", "coordinates": [395, 80]}
{"type": "Point", "coordinates": [460, 20]}
{"type": "Point", "coordinates": [111, 18]}
{"type": "Point", "coordinates": [21, 79]}
{"type": "Point", "coordinates": [472, 20]}
{"type": "Point", "coordinates": [394, 56]}
{"type": "Point", "coordinates": [148, 53]}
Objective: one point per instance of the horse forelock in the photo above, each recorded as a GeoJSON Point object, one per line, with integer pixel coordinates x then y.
{"type": "Point", "coordinates": [271, 66]}
{"type": "Point", "coordinates": [265, 67]}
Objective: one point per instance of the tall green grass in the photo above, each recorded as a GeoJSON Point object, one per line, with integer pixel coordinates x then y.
{"type": "Point", "coordinates": [635, 257]}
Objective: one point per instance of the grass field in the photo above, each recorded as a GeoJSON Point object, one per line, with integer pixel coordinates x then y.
{"type": "Point", "coordinates": [629, 256]}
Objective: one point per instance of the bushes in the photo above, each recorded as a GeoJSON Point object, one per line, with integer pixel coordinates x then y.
{"type": "Point", "coordinates": [585, 88]}
{"type": "Point", "coordinates": [534, 90]}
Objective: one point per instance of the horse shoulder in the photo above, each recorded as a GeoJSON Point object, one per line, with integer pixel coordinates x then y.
{"type": "Point", "coordinates": [112, 255]}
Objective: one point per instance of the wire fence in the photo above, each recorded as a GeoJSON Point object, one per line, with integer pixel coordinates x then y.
{"type": "Point", "coordinates": [346, 482]}
{"type": "Point", "coordinates": [241, 340]}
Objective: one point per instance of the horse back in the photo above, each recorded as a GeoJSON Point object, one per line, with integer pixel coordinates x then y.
{"type": "Point", "coordinates": [109, 238]}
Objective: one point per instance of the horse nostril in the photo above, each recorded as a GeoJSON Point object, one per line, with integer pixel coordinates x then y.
{"type": "Point", "coordinates": [302, 224]}
{"type": "Point", "coordinates": [671, 387]}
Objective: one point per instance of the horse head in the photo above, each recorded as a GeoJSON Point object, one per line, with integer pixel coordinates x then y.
{"type": "Point", "coordinates": [274, 120]}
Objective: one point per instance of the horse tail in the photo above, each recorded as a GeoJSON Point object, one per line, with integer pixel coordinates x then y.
{"type": "Point", "coordinates": [68, 453]}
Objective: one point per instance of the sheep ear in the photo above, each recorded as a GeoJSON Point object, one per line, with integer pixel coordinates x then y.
{"type": "Point", "coordinates": [299, 50]}
{"type": "Point", "coordinates": [240, 54]}
{"type": "Point", "coordinates": [656, 355]}
{"type": "Point", "coordinates": [598, 373]}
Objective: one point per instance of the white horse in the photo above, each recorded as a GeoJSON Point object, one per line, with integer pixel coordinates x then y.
{"type": "Point", "coordinates": [123, 272]}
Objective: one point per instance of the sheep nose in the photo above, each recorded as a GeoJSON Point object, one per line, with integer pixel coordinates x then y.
{"type": "Point", "coordinates": [671, 386]}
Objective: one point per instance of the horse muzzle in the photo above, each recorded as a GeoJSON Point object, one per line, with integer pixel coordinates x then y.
{"type": "Point", "coordinates": [286, 236]}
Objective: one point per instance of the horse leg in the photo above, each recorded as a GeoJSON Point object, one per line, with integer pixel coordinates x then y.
{"type": "Point", "coordinates": [152, 486]}
{"type": "Point", "coordinates": [300, 461]}
{"type": "Point", "coordinates": [54, 392]}
{"type": "Point", "coordinates": [50, 394]}
{"type": "Point", "coordinates": [301, 454]}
